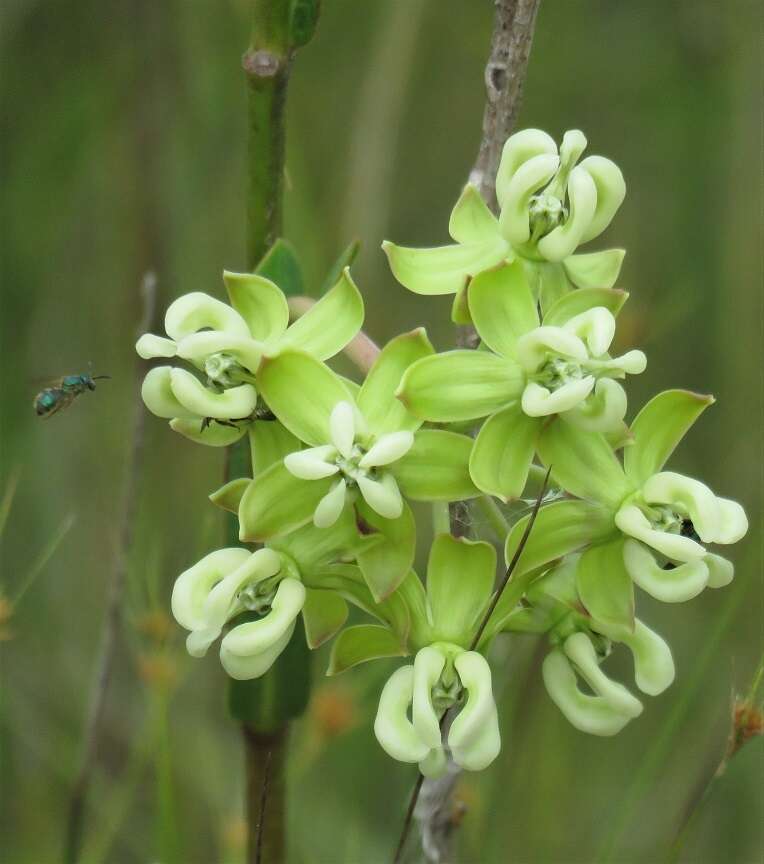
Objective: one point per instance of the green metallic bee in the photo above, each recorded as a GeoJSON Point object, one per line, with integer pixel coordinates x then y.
{"type": "Point", "coordinates": [63, 392]}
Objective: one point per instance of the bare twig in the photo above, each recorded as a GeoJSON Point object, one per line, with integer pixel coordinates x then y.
{"type": "Point", "coordinates": [113, 614]}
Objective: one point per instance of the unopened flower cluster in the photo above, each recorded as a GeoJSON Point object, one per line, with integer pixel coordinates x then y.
{"type": "Point", "coordinates": [325, 520]}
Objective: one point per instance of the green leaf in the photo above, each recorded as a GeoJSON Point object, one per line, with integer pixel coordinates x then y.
{"type": "Point", "coordinates": [605, 587]}
{"type": "Point", "coordinates": [213, 435]}
{"type": "Point", "coordinates": [443, 269]}
{"type": "Point", "coordinates": [657, 430]}
{"type": "Point", "coordinates": [277, 502]}
{"type": "Point", "coordinates": [230, 494]}
{"type": "Point", "coordinates": [303, 21]}
{"type": "Point", "coordinates": [436, 468]}
{"type": "Point", "coordinates": [471, 221]}
{"type": "Point", "coordinates": [313, 548]}
{"type": "Point", "coordinates": [281, 265]}
{"type": "Point", "coordinates": [385, 564]}
{"type": "Point", "coordinates": [327, 327]}
{"type": "Point", "coordinates": [270, 442]}
{"type": "Point", "coordinates": [502, 307]}
{"type": "Point", "coordinates": [345, 259]}
{"type": "Point", "coordinates": [583, 463]}
{"type": "Point", "coordinates": [460, 577]}
{"type": "Point", "coordinates": [362, 643]}
{"type": "Point", "coordinates": [595, 269]}
{"type": "Point", "coordinates": [323, 614]}
{"type": "Point", "coordinates": [576, 302]}
{"type": "Point", "coordinates": [503, 451]}
{"type": "Point", "coordinates": [259, 302]}
{"type": "Point", "coordinates": [376, 399]}
{"type": "Point", "coordinates": [301, 391]}
{"type": "Point", "coordinates": [560, 528]}
{"type": "Point", "coordinates": [460, 385]}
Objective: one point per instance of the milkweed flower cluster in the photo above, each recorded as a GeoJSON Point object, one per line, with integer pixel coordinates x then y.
{"type": "Point", "coordinates": [325, 520]}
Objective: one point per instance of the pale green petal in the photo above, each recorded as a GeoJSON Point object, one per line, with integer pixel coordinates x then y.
{"type": "Point", "coordinates": [330, 506]}
{"type": "Point", "coordinates": [232, 404]}
{"type": "Point", "coordinates": [383, 495]}
{"type": "Point", "coordinates": [428, 664]}
{"type": "Point", "coordinates": [595, 269]}
{"type": "Point", "coordinates": [603, 411]}
{"type": "Point", "coordinates": [632, 362]}
{"type": "Point", "coordinates": [474, 736]}
{"type": "Point", "coordinates": [547, 281]}
{"type": "Point", "coordinates": [389, 448]}
{"type": "Point", "coordinates": [386, 564]}
{"type": "Point", "coordinates": [563, 240]}
{"type": "Point", "coordinates": [213, 434]}
{"type": "Point", "coordinates": [327, 327]}
{"type": "Point", "coordinates": [502, 307]}
{"type": "Point", "coordinates": [436, 468]}
{"type": "Point", "coordinates": [342, 428]}
{"type": "Point", "coordinates": [653, 663]}
{"type": "Point", "coordinates": [460, 385]}
{"type": "Point", "coordinates": [537, 401]}
{"type": "Point", "coordinates": [518, 149]}
{"type": "Point", "coordinates": [675, 585]}
{"type": "Point", "coordinates": [529, 178]}
{"type": "Point", "coordinates": [157, 395]}
{"type": "Point", "coordinates": [434, 764]}
{"type": "Point", "coordinates": [302, 392]}
{"type": "Point", "coordinates": [270, 442]}
{"type": "Point", "coordinates": [260, 303]}
{"type": "Point", "coordinates": [362, 643]}
{"type": "Point", "coordinates": [694, 498]}
{"type": "Point", "coordinates": [478, 752]}
{"type": "Point", "coordinates": [605, 587]}
{"type": "Point", "coordinates": [312, 464]}
{"type": "Point", "coordinates": [193, 585]}
{"type": "Point", "coordinates": [394, 731]}
{"type": "Point", "coordinates": [471, 221]}
{"type": "Point", "coordinates": [443, 269]}
{"type": "Point", "coordinates": [658, 428]}
{"type": "Point", "coordinates": [720, 571]}
{"type": "Point", "coordinates": [460, 577]}
{"type": "Point", "coordinates": [323, 615]}
{"type": "Point", "coordinates": [533, 348]}
{"type": "Point", "coordinates": [572, 146]}
{"type": "Point", "coordinates": [595, 327]}
{"type": "Point", "coordinates": [591, 714]}
{"type": "Point", "coordinates": [150, 346]}
{"type": "Point", "coordinates": [583, 463]}
{"type": "Point", "coordinates": [229, 495]}
{"type": "Point", "coordinates": [580, 651]}
{"type": "Point", "coordinates": [632, 521]}
{"type": "Point", "coordinates": [503, 451]}
{"type": "Point", "coordinates": [376, 400]}
{"type": "Point", "coordinates": [733, 523]}
{"type": "Point", "coordinates": [245, 667]}
{"type": "Point", "coordinates": [611, 190]}
{"type": "Point", "coordinates": [198, 311]}
{"type": "Point", "coordinates": [198, 346]}
{"type": "Point", "coordinates": [276, 503]}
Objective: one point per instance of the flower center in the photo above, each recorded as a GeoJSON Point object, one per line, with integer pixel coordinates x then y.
{"type": "Point", "coordinates": [546, 212]}
{"type": "Point", "coordinates": [224, 371]}
{"type": "Point", "coordinates": [259, 597]}
{"type": "Point", "coordinates": [559, 371]}
{"type": "Point", "coordinates": [349, 467]}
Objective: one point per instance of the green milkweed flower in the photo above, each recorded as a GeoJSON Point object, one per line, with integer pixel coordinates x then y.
{"type": "Point", "coordinates": [549, 206]}
{"type": "Point", "coordinates": [226, 344]}
{"type": "Point", "coordinates": [560, 365]}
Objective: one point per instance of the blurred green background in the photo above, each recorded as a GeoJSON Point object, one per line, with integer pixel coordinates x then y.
{"type": "Point", "coordinates": [123, 130]}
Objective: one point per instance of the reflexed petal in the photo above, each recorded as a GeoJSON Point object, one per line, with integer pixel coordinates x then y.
{"type": "Point", "coordinates": [605, 587]}
{"type": "Point", "coordinates": [158, 397]}
{"type": "Point", "coordinates": [362, 643]}
{"type": "Point", "coordinates": [387, 563]}
{"type": "Point", "coordinates": [471, 221]}
{"type": "Point", "coordinates": [323, 615]}
{"type": "Point", "coordinates": [302, 392]}
{"type": "Point", "coordinates": [733, 523]}
{"type": "Point", "coordinates": [150, 346]}
{"type": "Point", "coordinates": [382, 495]}
{"type": "Point", "coordinates": [342, 428]}
{"type": "Point", "coordinates": [533, 348]}
{"type": "Point", "coordinates": [537, 401]}
{"type": "Point", "coordinates": [460, 385]}
{"type": "Point", "coordinates": [434, 764]}
{"type": "Point", "coordinates": [327, 327]}
{"type": "Point", "coordinates": [234, 403]}
{"type": "Point", "coordinates": [503, 451]}
{"type": "Point", "coordinates": [563, 240]}
{"type": "Point", "coordinates": [594, 269]}
{"type": "Point", "coordinates": [229, 495]}
{"type": "Point", "coordinates": [502, 307]}
{"type": "Point", "coordinates": [603, 410]}
{"type": "Point", "coordinates": [436, 468]}
{"type": "Point", "coordinates": [198, 346]}
{"type": "Point", "coordinates": [460, 576]}
{"type": "Point", "coordinates": [443, 269]}
{"type": "Point", "coordinates": [260, 303]}
{"type": "Point", "coordinates": [474, 736]}
{"type": "Point", "coordinates": [330, 506]}
{"type": "Point", "coordinates": [591, 714]}
{"type": "Point", "coordinates": [581, 652]}
{"type": "Point", "coordinates": [595, 326]}
{"type": "Point", "coordinates": [632, 521]}
{"type": "Point", "coordinates": [658, 428]}
{"type": "Point", "coordinates": [611, 190]}
{"type": "Point", "coordinates": [428, 664]}
{"type": "Point", "coordinates": [389, 448]}
{"type": "Point", "coordinates": [720, 571]}
{"type": "Point", "coordinates": [632, 362]}
{"type": "Point", "coordinates": [529, 178]}
{"type": "Point", "coordinates": [394, 731]}
{"type": "Point", "coordinates": [572, 146]}
{"type": "Point", "coordinates": [245, 667]}
{"type": "Point", "coordinates": [547, 281]}
{"type": "Point", "coordinates": [193, 585]}
{"type": "Point", "coordinates": [270, 442]}
{"type": "Point", "coordinates": [196, 311]}
{"type": "Point", "coordinates": [694, 497]}
{"type": "Point", "coordinates": [213, 434]}
{"type": "Point", "coordinates": [312, 464]}
{"type": "Point", "coordinates": [653, 663]}
{"type": "Point", "coordinates": [519, 148]}
{"type": "Point", "coordinates": [675, 585]}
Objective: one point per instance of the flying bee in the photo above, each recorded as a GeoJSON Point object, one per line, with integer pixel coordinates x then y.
{"type": "Point", "coordinates": [63, 392]}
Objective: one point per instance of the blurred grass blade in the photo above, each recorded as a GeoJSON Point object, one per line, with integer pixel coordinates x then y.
{"type": "Point", "coordinates": [47, 553]}
{"type": "Point", "coordinates": [8, 496]}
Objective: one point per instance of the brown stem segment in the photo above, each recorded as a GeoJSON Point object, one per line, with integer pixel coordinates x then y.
{"type": "Point", "coordinates": [265, 755]}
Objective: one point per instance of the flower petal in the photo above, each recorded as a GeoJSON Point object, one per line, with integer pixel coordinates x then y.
{"type": "Point", "coordinates": [387, 563]}
{"type": "Point", "coordinates": [534, 348]}
{"type": "Point", "coordinates": [260, 303]}
{"type": "Point", "coordinates": [232, 404]}
{"type": "Point", "coordinates": [150, 346]}
{"type": "Point", "coordinates": [563, 240]}
{"type": "Point", "coordinates": [193, 585]}
{"type": "Point", "coordinates": [460, 385]}
{"type": "Point", "coordinates": [198, 346]}
{"type": "Point", "coordinates": [212, 434]}
{"type": "Point", "coordinates": [733, 523]}
{"type": "Point", "coordinates": [603, 411]}
{"type": "Point", "coordinates": [611, 190]}
{"type": "Point", "coordinates": [198, 311]}
{"type": "Point", "coordinates": [323, 615]}
{"type": "Point", "coordinates": [436, 468]}
{"type": "Point", "coordinates": [595, 327]}
{"type": "Point", "coordinates": [395, 732]}
{"type": "Point", "coordinates": [595, 269]}
{"type": "Point", "coordinates": [653, 664]}
{"type": "Point", "coordinates": [312, 464]}
{"type": "Point", "coordinates": [342, 428]}
{"type": "Point", "coordinates": [675, 585]}
{"type": "Point", "coordinates": [471, 221]}
{"type": "Point", "coordinates": [428, 664]}
{"type": "Point", "coordinates": [503, 451]}
{"type": "Point", "coordinates": [474, 736]}
{"type": "Point", "coordinates": [537, 401]}
{"type": "Point", "coordinates": [526, 181]}
{"type": "Point", "coordinates": [694, 497]}
{"type": "Point", "coordinates": [270, 442]}
{"type": "Point", "coordinates": [250, 666]}
{"type": "Point", "coordinates": [632, 521]}
{"type": "Point", "coordinates": [156, 392]}
{"type": "Point", "coordinates": [605, 587]}
{"type": "Point", "coordinates": [389, 448]}
{"type": "Point", "coordinates": [382, 495]}
{"type": "Point", "coordinates": [330, 506]}
{"type": "Point", "coordinates": [519, 148]}
{"type": "Point", "coordinates": [362, 643]}
{"type": "Point", "coordinates": [720, 571]}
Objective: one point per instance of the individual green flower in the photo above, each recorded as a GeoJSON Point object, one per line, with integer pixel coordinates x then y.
{"type": "Point", "coordinates": [364, 451]}
{"type": "Point", "coordinates": [560, 365]}
{"type": "Point", "coordinates": [445, 673]}
{"type": "Point", "coordinates": [225, 344]}
{"type": "Point", "coordinates": [549, 206]}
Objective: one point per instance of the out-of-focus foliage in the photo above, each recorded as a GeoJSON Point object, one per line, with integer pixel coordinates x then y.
{"type": "Point", "coordinates": [123, 150]}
